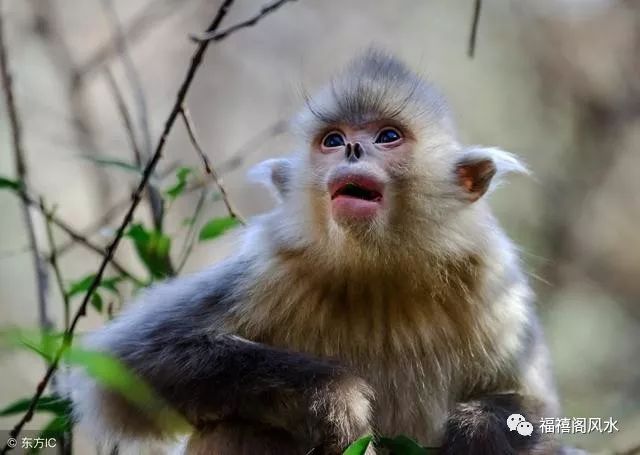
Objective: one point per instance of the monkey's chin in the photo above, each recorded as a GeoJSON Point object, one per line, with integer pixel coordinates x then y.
{"type": "Point", "coordinates": [347, 208]}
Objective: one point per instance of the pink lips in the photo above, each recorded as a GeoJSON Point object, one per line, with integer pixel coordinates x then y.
{"type": "Point", "coordinates": [356, 196]}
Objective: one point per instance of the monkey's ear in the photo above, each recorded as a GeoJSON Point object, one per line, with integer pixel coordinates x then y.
{"type": "Point", "coordinates": [275, 174]}
{"type": "Point", "coordinates": [481, 169]}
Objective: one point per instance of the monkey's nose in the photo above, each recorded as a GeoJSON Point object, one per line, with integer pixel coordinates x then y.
{"type": "Point", "coordinates": [353, 152]}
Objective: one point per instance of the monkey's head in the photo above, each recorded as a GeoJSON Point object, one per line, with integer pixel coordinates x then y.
{"type": "Point", "coordinates": [379, 157]}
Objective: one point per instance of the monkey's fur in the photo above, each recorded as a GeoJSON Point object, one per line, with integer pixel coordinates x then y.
{"type": "Point", "coordinates": [419, 322]}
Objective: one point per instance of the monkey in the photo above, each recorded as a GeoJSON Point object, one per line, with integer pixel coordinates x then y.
{"type": "Point", "coordinates": [379, 296]}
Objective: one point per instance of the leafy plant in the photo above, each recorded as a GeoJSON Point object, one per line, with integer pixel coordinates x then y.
{"type": "Point", "coordinates": [359, 446]}
{"type": "Point", "coordinates": [216, 227]}
{"type": "Point", "coordinates": [153, 249]}
{"type": "Point", "coordinates": [399, 445]}
{"type": "Point", "coordinates": [9, 183]}
{"type": "Point", "coordinates": [181, 183]}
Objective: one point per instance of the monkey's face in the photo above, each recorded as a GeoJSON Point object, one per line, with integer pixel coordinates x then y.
{"type": "Point", "coordinates": [354, 168]}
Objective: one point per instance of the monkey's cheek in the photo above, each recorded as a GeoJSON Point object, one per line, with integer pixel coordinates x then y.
{"type": "Point", "coordinates": [346, 208]}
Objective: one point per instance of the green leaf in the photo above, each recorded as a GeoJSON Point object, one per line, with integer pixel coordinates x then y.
{"type": "Point", "coordinates": [9, 183]}
{"type": "Point", "coordinates": [110, 284]}
{"type": "Point", "coordinates": [216, 227]}
{"type": "Point", "coordinates": [181, 183]}
{"type": "Point", "coordinates": [54, 404]}
{"type": "Point", "coordinates": [83, 284]}
{"type": "Point", "coordinates": [45, 353]}
{"type": "Point", "coordinates": [43, 343]}
{"type": "Point", "coordinates": [402, 445]}
{"type": "Point", "coordinates": [359, 447]}
{"type": "Point", "coordinates": [153, 248]}
{"type": "Point", "coordinates": [96, 302]}
{"type": "Point", "coordinates": [111, 373]}
{"type": "Point", "coordinates": [80, 286]}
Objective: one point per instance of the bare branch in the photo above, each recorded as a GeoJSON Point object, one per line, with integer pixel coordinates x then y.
{"type": "Point", "coordinates": [76, 236]}
{"type": "Point", "coordinates": [474, 28]}
{"type": "Point", "coordinates": [131, 73]}
{"type": "Point", "coordinates": [120, 40]}
{"type": "Point", "coordinates": [233, 212]}
{"type": "Point", "coordinates": [126, 118]}
{"type": "Point", "coordinates": [217, 36]}
{"type": "Point", "coordinates": [49, 28]}
{"type": "Point", "coordinates": [191, 234]}
{"type": "Point", "coordinates": [53, 260]}
{"type": "Point", "coordinates": [155, 199]}
{"type": "Point", "coordinates": [109, 215]}
{"type": "Point", "coordinates": [234, 162]}
{"type": "Point", "coordinates": [21, 172]}
{"type": "Point", "coordinates": [196, 60]}
{"type": "Point", "coordinates": [97, 225]}
{"type": "Point", "coordinates": [135, 30]}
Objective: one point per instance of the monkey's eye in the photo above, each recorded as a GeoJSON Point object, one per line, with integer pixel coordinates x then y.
{"type": "Point", "coordinates": [388, 135]}
{"type": "Point", "coordinates": [333, 139]}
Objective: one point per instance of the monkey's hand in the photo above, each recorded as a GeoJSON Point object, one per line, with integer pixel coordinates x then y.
{"type": "Point", "coordinates": [480, 427]}
{"type": "Point", "coordinates": [321, 404]}
{"type": "Point", "coordinates": [176, 341]}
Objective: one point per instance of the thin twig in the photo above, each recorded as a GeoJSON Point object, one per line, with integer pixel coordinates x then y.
{"type": "Point", "coordinates": [131, 73]}
{"type": "Point", "coordinates": [96, 226]}
{"type": "Point", "coordinates": [67, 436]}
{"type": "Point", "coordinates": [474, 28]}
{"type": "Point", "coordinates": [137, 28]}
{"type": "Point", "coordinates": [234, 162]}
{"type": "Point", "coordinates": [21, 172]}
{"type": "Point", "coordinates": [109, 215]}
{"type": "Point", "coordinates": [49, 28]}
{"type": "Point", "coordinates": [126, 118]}
{"type": "Point", "coordinates": [77, 237]}
{"type": "Point", "coordinates": [190, 239]}
{"type": "Point", "coordinates": [53, 260]}
{"type": "Point", "coordinates": [156, 202]}
{"type": "Point", "coordinates": [217, 36]}
{"type": "Point", "coordinates": [196, 60]}
{"type": "Point", "coordinates": [233, 212]}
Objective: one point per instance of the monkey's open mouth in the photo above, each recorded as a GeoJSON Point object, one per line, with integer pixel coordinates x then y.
{"type": "Point", "coordinates": [356, 197]}
{"type": "Point", "coordinates": [356, 191]}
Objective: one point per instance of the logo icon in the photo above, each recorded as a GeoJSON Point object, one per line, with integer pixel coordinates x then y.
{"type": "Point", "coordinates": [517, 422]}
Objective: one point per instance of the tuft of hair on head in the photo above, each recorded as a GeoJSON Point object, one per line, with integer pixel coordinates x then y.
{"type": "Point", "coordinates": [374, 86]}
{"type": "Point", "coordinates": [274, 174]}
{"type": "Point", "coordinates": [480, 170]}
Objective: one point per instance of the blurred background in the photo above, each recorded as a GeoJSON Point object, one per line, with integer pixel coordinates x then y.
{"type": "Point", "coordinates": [554, 81]}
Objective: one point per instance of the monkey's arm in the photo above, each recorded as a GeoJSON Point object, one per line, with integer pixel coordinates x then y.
{"type": "Point", "coordinates": [175, 340]}
{"type": "Point", "coordinates": [479, 425]}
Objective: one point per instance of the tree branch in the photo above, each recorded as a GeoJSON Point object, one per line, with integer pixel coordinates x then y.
{"type": "Point", "coordinates": [190, 238]}
{"type": "Point", "coordinates": [136, 28]}
{"type": "Point", "coordinates": [120, 43]}
{"type": "Point", "coordinates": [126, 118]}
{"type": "Point", "coordinates": [217, 36]}
{"type": "Point", "coordinates": [76, 236]}
{"type": "Point", "coordinates": [196, 60]}
{"type": "Point", "coordinates": [474, 28]}
{"type": "Point", "coordinates": [53, 260]}
{"type": "Point", "coordinates": [209, 169]}
{"type": "Point", "coordinates": [49, 28]}
{"type": "Point", "coordinates": [21, 172]}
